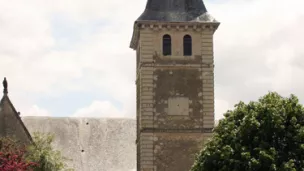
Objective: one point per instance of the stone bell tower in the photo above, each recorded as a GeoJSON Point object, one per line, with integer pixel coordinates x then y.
{"type": "Point", "coordinates": [175, 83]}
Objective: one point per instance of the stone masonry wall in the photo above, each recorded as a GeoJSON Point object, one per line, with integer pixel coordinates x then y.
{"type": "Point", "coordinates": [146, 102]}
{"type": "Point", "coordinates": [208, 80]}
{"type": "Point", "coordinates": [175, 83]}
{"type": "Point", "coordinates": [175, 98]}
{"type": "Point", "coordinates": [176, 151]}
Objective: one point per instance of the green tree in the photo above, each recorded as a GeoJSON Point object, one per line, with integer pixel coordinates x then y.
{"type": "Point", "coordinates": [267, 135]}
{"type": "Point", "coordinates": [42, 152]}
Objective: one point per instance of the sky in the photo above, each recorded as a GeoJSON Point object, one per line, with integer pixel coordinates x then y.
{"type": "Point", "coordinates": [71, 58]}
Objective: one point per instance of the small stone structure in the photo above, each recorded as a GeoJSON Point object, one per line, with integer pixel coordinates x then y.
{"type": "Point", "coordinates": [175, 83]}
{"type": "Point", "coordinates": [11, 124]}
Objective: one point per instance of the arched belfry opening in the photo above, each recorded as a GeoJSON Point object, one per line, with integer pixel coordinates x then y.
{"type": "Point", "coordinates": [167, 45]}
{"type": "Point", "coordinates": [187, 43]}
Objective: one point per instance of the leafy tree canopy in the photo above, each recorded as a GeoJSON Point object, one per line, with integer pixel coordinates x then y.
{"type": "Point", "coordinates": [267, 135]}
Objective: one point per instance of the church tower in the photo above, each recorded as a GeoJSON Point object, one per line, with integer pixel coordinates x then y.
{"type": "Point", "coordinates": [175, 83]}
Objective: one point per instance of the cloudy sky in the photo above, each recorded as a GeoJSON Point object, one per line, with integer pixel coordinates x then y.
{"type": "Point", "coordinates": [72, 57]}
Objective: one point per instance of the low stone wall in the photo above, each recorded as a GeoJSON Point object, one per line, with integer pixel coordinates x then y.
{"type": "Point", "coordinates": [92, 144]}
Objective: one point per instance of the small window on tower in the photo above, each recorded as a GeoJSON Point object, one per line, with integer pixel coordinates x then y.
{"type": "Point", "coordinates": [167, 45]}
{"type": "Point", "coordinates": [187, 45]}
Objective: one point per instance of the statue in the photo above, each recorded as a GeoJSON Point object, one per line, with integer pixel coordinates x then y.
{"type": "Point", "coordinates": [4, 86]}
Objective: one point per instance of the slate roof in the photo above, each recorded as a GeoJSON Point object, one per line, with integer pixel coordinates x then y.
{"type": "Point", "coordinates": [107, 144]}
{"type": "Point", "coordinates": [175, 11]}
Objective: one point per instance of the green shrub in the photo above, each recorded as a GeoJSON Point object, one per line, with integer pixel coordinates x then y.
{"type": "Point", "coordinates": [42, 152]}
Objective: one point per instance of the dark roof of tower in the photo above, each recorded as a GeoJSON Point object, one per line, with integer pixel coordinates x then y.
{"type": "Point", "coordinates": [174, 11]}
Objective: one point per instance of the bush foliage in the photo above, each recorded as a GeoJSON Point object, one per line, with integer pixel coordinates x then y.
{"type": "Point", "coordinates": [42, 152]}
{"type": "Point", "coordinates": [267, 135]}
{"type": "Point", "coordinates": [12, 156]}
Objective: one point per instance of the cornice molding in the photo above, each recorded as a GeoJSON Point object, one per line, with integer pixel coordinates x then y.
{"type": "Point", "coordinates": [177, 26]}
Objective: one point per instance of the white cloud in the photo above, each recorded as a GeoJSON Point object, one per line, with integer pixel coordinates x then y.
{"type": "Point", "coordinates": [23, 33]}
{"type": "Point", "coordinates": [257, 49]}
{"type": "Point", "coordinates": [35, 111]}
{"type": "Point", "coordinates": [100, 109]}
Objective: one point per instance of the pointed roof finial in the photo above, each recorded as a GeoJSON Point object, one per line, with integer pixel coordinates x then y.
{"type": "Point", "coordinates": [5, 86]}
